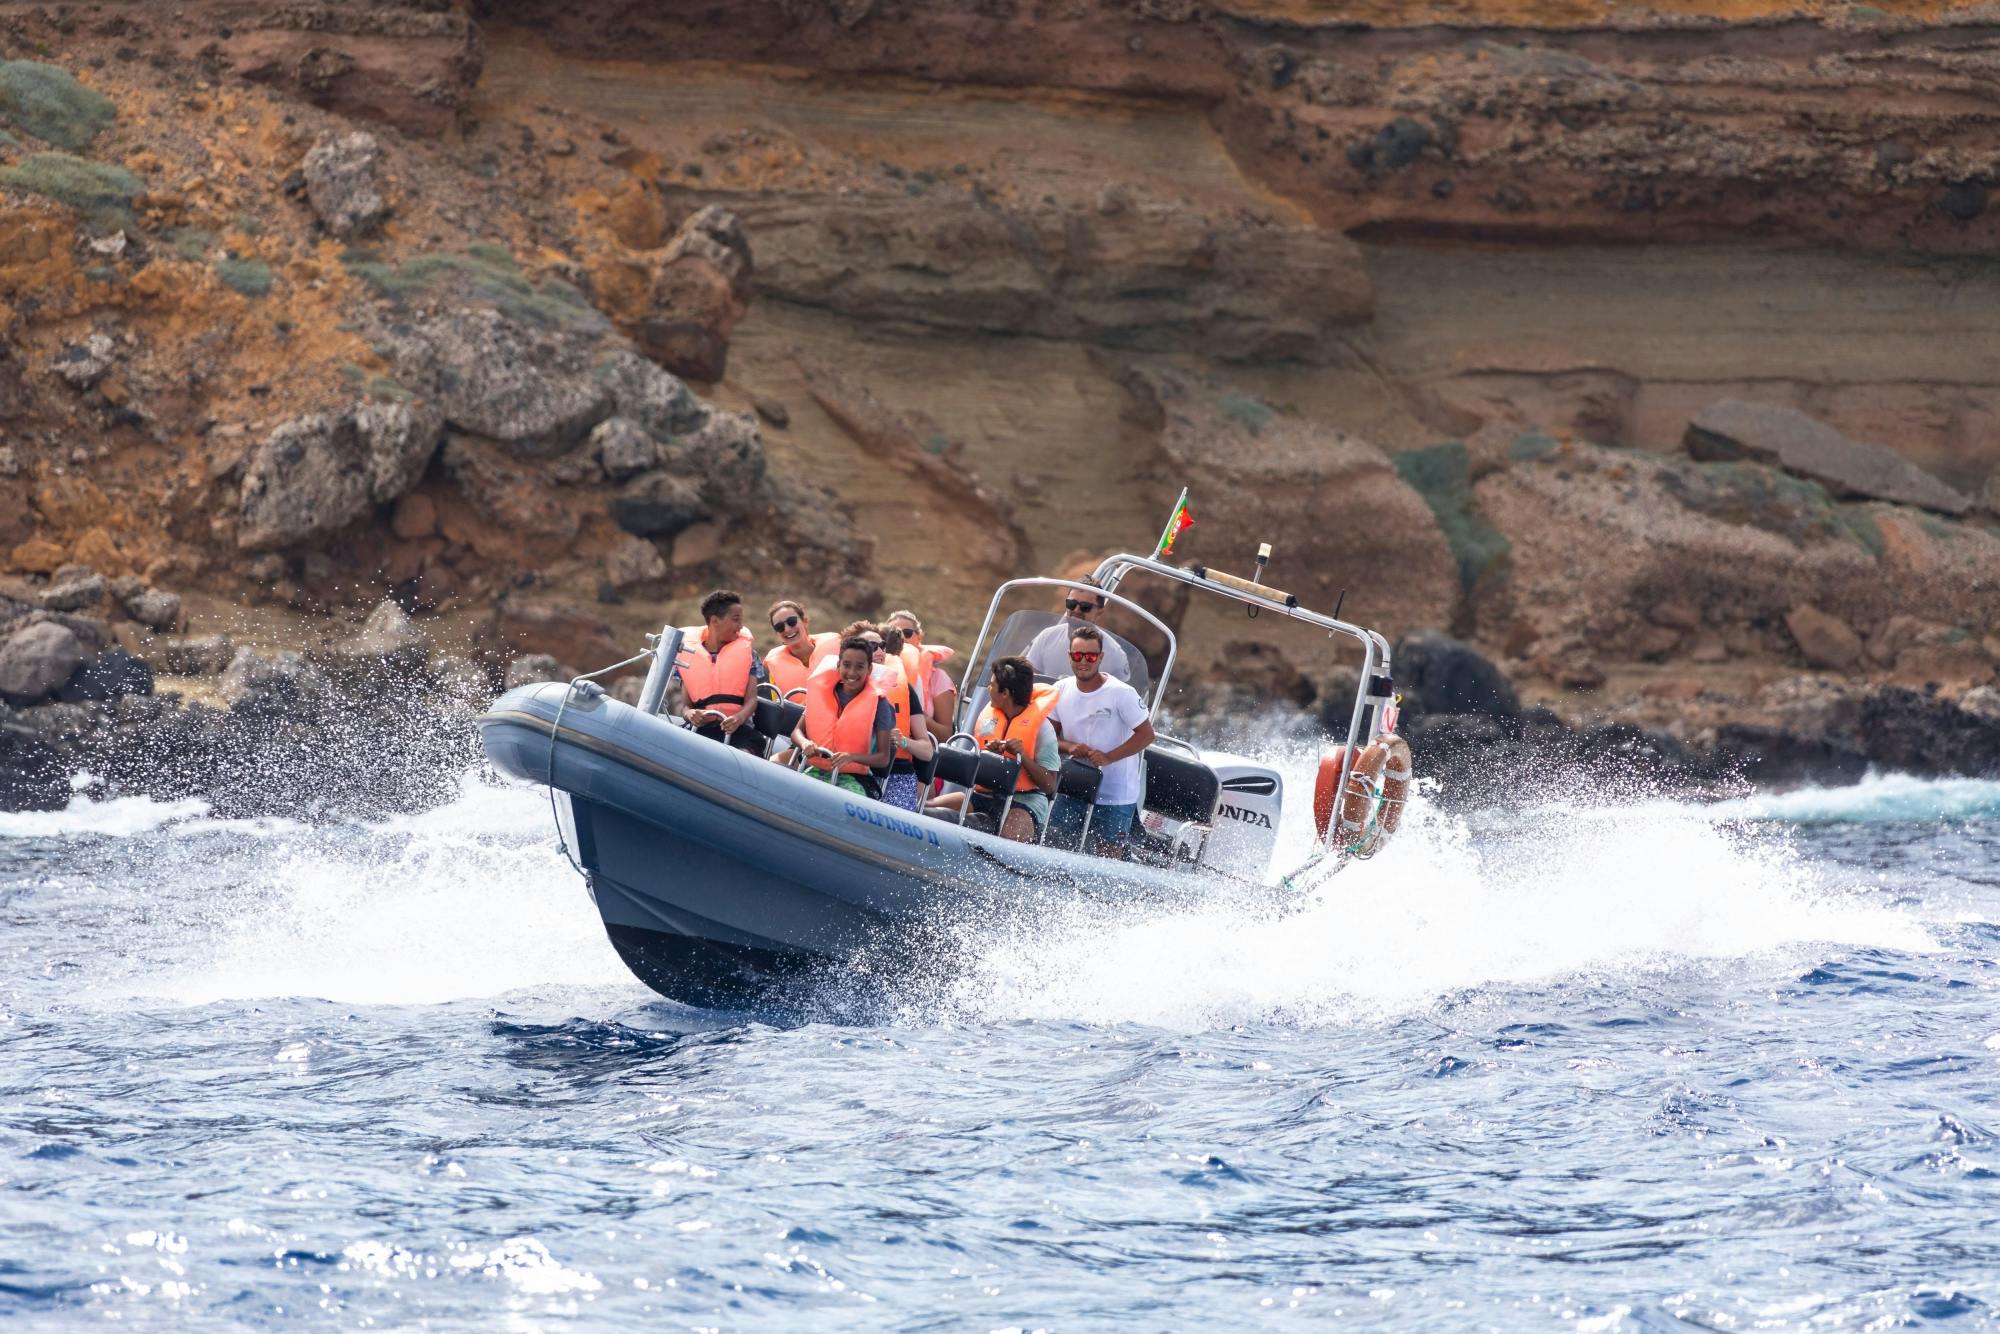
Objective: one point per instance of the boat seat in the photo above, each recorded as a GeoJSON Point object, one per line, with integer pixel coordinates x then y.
{"type": "Point", "coordinates": [777, 719]}
{"type": "Point", "coordinates": [1079, 781]}
{"type": "Point", "coordinates": [1181, 787]}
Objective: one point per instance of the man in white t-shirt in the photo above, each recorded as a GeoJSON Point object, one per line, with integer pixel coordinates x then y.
{"type": "Point", "coordinates": [1103, 721]}
{"type": "Point", "coordinates": [1049, 651]}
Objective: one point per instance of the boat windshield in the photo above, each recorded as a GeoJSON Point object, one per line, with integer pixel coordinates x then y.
{"type": "Point", "coordinates": [1019, 631]}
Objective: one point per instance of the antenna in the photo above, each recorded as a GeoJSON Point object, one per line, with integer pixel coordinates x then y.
{"type": "Point", "coordinates": [1336, 603]}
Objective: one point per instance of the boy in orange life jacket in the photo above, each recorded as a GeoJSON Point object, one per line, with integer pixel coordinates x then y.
{"type": "Point", "coordinates": [719, 671]}
{"type": "Point", "coordinates": [1017, 723]}
{"type": "Point", "coordinates": [844, 712]}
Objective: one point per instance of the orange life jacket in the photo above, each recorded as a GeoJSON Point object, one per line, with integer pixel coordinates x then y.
{"type": "Point", "coordinates": [721, 679]}
{"type": "Point", "coordinates": [849, 730]}
{"type": "Point", "coordinates": [893, 681]}
{"type": "Point", "coordinates": [1023, 728]}
{"type": "Point", "coordinates": [788, 673]}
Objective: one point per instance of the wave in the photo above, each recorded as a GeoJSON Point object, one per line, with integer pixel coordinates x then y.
{"type": "Point", "coordinates": [1592, 894]}
{"type": "Point", "coordinates": [1876, 799]}
{"type": "Point", "coordinates": [472, 899]}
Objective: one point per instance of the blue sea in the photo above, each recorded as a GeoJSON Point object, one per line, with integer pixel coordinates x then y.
{"type": "Point", "coordinates": [1593, 1067]}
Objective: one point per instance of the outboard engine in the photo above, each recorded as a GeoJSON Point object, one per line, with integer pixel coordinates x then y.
{"type": "Point", "coordinates": [1242, 832]}
{"type": "Point", "coordinates": [1246, 822]}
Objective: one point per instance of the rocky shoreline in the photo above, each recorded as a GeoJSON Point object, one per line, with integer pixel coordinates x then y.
{"type": "Point", "coordinates": [377, 723]}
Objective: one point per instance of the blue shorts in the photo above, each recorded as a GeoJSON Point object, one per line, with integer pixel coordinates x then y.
{"type": "Point", "coordinates": [1110, 826]}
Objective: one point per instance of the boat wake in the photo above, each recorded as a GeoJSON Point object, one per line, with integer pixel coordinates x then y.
{"type": "Point", "coordinates": [473, 900]}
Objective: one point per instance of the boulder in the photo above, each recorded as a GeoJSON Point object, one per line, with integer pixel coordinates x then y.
{"type": "Point", "coordinates": [111, 675]}
{"type": "Point", "coordinates": [1733, 430]}
{"type": "Point", "coordinates": [279, 682]}
{"type": "Point", "coordinates": [318, 473]}
{"type": "Point", "coordinates": [37, 659]}
{"type": "Point", "coordinates": [534, 390]}
{"type": "Point", "coordinates": [623, 448]}
{"type": "Point", "coordinates": [154, 608]}
{"type": "Point", "coordinates": [82, 365]}
{"type": "Point", "coordinates": [387, 642]}
{"type": "Point", "coordinates": [634, 560]}
{"type": "Point", "coordinates": [33, 775]}
{"type": "Point", "coordinates": [1825, 641]}
{"type": "Point", "coordinates": [699, 292]}
{"type": "Point", "coordinates": [339, 172]}
{"type": "Point", "coordinates": [204, 655]}
{"type": "Point", "coordinates": [658, 504]}
{"type": "Point", "coordinates": [1445, 675]}
{"type": "Point", "coordinates": [648, 395]}
{"type": "Point", "coordinates": [726, 452]}
{"type": "Point", "coordinates": [74, 589]}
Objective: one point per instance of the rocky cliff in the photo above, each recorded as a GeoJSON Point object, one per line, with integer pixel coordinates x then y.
{"type": "Point", "coordinates": [1645, 348]}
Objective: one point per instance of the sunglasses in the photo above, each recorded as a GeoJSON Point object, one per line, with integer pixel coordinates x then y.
{"type": "Point", "coordinates": [874, 645]}
{"type": "Point", "coordinates": [1085, 657]}
{"type": "Point", "coordinates": [1071, 604]}
{"type": "Point", "coordinates": [784, 625]}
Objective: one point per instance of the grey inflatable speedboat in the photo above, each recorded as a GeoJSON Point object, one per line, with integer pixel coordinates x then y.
{"type": "Point", "coordinates": [721, 877]}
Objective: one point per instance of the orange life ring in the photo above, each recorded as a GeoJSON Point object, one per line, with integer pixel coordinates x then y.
{"type": "Point", "coordinates": [1378, 786]}
{"type": "Point", "coordinates": [1323, 786]}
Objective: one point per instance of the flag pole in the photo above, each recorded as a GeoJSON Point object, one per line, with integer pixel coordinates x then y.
{"type": "Point", "coordinates": [1167, 533]}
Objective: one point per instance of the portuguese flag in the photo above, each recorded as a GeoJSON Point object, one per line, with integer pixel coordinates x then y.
{"type": "Point", "coordinates": [1178, 522]}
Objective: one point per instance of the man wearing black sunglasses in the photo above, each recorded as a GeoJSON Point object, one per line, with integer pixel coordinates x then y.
{"type": "Point", "coordinates": [1049, 654]}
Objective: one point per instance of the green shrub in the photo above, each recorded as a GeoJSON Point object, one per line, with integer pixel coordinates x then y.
{"type": "Point", "coordinates": [1754, 495]}
{"type": "Point", "coordinates": [484, 272]}
{"type": "Point", "coordinates": [48, 102]}
{"type": "Point", "coordinates": [1442, 475]}
{"type": "Point", "coordinates": [1253, 414]}
{"type": "Point", "coordinates": [251, 277]}
{"type": "Point", "coordinates": [191, 243]}
{"type": "Point", "coordinates": [97, 190]}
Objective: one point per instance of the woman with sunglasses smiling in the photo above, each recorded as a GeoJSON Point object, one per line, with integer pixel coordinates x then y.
{"type": "Point", "coordinates": [799, 651]}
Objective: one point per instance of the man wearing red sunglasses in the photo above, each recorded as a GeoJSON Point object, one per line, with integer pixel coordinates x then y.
{"type": "Point", "coordinates": [1049, 653]}
{"type": "Point", "coordinates": [1103, 722]}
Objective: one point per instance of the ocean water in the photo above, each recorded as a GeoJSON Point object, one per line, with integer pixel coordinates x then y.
{"type": "Point", "coordinates": [1587, 1067]}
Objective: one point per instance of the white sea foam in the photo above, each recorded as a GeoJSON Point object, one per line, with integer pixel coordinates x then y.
{"type": "Point", "coordinates": [1579, 893]}
{"type": "Point", "coordinates": [469, 900]}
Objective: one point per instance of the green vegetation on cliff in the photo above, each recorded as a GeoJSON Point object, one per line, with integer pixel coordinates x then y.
{"type": "Point", "coordinates": [47, 102]}
{"type": "Point", "coordinates": [1442, 475]}
{"type": "Point", "coordinates": [483, 272]}
{"type": "Point", "coordinates": [97, 190]}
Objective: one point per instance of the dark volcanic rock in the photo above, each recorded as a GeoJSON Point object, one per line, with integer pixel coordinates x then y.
{"type": "Point", "coordinates": [658, 504]}
{"type": "Point", "coordinates": [33, 774]}
{"type": "Point", "coordinates": [1445, 675]}
{"type": "Point", "coordinates": [112, 675]}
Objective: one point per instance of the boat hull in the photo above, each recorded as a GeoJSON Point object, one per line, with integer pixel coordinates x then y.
{"type": "Point", "coordinates": [723, 879]}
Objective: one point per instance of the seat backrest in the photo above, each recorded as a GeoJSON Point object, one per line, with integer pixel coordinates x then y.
{"type": "Point", "coordinates": [1079, 780]}
{"type": "Point", "coordinates": [775, 718]}
{"type": "Point", "coordinates": [957, 764]}
{"type": "Point", "coordinates": [1181, 788]}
